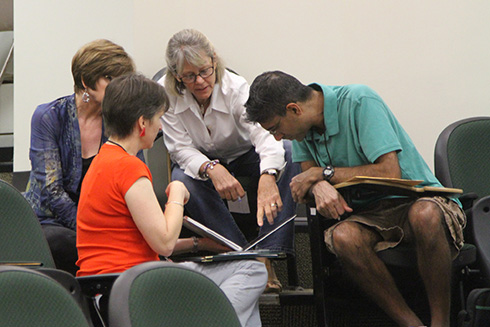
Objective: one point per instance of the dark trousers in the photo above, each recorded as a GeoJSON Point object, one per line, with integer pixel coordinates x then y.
{"type": "Point", "coordinates": [62, 242]}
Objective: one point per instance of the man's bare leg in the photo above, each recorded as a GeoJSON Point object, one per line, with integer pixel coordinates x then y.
{"type": "Point", "coordinates": [354, 245]}
{"type": "Point", "coordinates": [434, 258]}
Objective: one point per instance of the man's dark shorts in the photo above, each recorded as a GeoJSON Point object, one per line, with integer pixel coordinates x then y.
{"type": "Point", "coordinates": [390, 218]}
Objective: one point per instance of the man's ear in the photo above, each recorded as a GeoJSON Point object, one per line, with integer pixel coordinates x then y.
{"type": "Point", "coordinates": [294, 108]}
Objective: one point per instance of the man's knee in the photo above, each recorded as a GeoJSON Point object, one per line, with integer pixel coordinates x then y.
{"type": "Point", "coordinates": [424, 216]}
{"type": "Point", "coordinates": [349, 236]}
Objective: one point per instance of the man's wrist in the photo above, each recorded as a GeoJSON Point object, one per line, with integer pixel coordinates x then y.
{"type": "Point", "coordinates": [328, 173]}
{"type": "Point", "coordinates": [311, 191]}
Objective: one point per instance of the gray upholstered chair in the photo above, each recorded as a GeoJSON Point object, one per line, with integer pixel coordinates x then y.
{"type": "Point", "coordinates": [31, 299]}
{"type": "Point", "coordinates": [22, 242]}
{"type": "Point", "coordinates": [21, 236]}
{"type": "Point", "coordinates": [166, 294]}
{"type": "Point", "coordinates": [462, 160]}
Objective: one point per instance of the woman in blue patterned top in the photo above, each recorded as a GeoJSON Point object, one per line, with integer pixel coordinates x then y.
{"type": "Point", "coordinates": [66, 134]}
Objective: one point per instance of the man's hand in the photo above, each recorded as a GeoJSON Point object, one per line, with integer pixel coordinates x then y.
{"type": "Point", "coordinates": [301, 183]}
{"type": "Point", "coordinates": [228, 187]}
{"type": "Point", "coordinates": [329, 202]}
{"type": "Point", "coordinates": [269, 201]}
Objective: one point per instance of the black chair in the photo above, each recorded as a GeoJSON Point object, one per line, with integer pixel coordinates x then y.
{"type": "Point", "coordinates": [159, 74]}
{"type": "Point", "coordinates": [29, 298]}
{"type": "Point", "coordinates": [167, 294]}
{"type": "Point", "coordinates": [481, 230]}
{"type": "Point", "coordinates": [476, 312]}
{"type": "Point", "coordinates": [462, 158]}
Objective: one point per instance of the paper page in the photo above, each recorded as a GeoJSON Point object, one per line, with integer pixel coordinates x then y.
{"type": "Point", "coordinates": [240, 205]}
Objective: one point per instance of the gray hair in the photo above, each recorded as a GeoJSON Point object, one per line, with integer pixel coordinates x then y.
{"type": "Point", "coordinates": [188, 46]}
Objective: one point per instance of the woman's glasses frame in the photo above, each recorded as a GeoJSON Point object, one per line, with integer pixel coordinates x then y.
{"type": "Point", "coordinates": [204, 73]}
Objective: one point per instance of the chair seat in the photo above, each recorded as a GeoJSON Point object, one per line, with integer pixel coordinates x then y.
{"type": "Point", "coordinates": [404, 256]}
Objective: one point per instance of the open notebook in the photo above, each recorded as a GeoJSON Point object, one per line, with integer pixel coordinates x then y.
{"type": "Point", "coordinates": [239, 252]}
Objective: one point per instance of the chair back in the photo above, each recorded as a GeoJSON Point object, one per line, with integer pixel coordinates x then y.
{"type": "Point", "coordinates": [32, 299]}
{"type": "Point", "coordinates": [159, 74]}
{"type": "Point", "coordinates": [462, 156]}
{"type": "Point", "coordinates": [158, 161]}
{"type": "Point", "coordinates": [166, 294]}
{"type": "Point", "coordinates": [21, 235]}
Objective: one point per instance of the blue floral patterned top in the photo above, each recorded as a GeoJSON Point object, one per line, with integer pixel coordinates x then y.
{"type": "Point", "coordinates": [56, 160]}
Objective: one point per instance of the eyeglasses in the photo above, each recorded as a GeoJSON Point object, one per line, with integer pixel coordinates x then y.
{"type": "Point", "coordinates": [273, 129]}
{"type": "Point", "coordinates": [204, 73]}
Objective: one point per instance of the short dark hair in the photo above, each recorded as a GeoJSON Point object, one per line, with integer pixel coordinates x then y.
{"type": "Point", "coordinates": [129, 97]}
{"type": "Point", "coordinates": [271, 92]}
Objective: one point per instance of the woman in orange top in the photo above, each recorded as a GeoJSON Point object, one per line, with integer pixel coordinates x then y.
{"type": "Point", "coordinates": [119, 221]}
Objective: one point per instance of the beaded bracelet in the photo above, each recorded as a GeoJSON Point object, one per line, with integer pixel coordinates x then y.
{"type": "Point", "coordinates": [209, 165]}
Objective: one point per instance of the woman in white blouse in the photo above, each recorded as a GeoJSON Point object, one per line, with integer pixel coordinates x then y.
{"type": "Point", "coordinates": [211, 143]}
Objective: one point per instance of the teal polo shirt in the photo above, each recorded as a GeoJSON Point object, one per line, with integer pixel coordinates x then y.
{"type": "Point", "coordinates": [359, 129]}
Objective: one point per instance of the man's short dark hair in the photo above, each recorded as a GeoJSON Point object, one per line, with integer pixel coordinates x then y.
{"type": "Point", "coordinates": [271, 92]}
{"type": "Point", "coordinates": [129, 97]}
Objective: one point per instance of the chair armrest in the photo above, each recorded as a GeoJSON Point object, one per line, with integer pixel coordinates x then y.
{"type": "Point", "coordinates": [97, 284]}
{"type": "Point", "coordinates": [467, 200]}
{"type": "Point", "coordinates": [69, 282]}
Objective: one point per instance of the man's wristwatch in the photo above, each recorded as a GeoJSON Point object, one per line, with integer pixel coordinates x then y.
{"type": "Point", "coordinates": [271, 171]}
{"type": "Point", "coordinates": [328, 173]}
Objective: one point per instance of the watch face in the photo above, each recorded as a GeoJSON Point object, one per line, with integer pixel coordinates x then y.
{"type": "Point", "coordinates": [328, 173]}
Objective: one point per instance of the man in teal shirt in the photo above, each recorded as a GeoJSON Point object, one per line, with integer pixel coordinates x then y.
{"type": "Point", "coordinates": [344, 131]}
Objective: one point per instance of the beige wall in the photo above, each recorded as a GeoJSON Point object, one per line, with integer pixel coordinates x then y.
{"type": "Point", "coordinates": [47, 34]}
{"type": "Point", "coordinates": [6, 15]}
{"type": "Point", "coordinates": [429, 60]}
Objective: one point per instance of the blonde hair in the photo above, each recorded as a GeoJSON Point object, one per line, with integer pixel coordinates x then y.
{"type": "Point", "coordinates": [97, 59]}
{"type": "Point", "coordinates": [188, 45]}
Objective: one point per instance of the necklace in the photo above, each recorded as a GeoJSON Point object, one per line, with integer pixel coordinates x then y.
{"type": "Point", "coordinates": [119, 145]}
{"type": "Point", "coordinates": [202, 109]}
{"type": "Point", "coordinates": [203, 106]}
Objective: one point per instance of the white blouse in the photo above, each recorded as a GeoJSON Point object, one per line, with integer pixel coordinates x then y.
{"type": "Point", "coordinates": [223, 133]}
